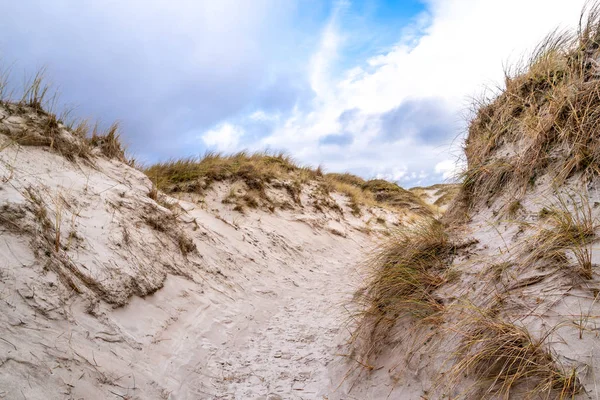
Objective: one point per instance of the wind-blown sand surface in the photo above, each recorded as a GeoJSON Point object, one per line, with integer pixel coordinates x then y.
{"type": "Point", "coordinates": [106, 293]}
{"type": "Point", "coordinates": [274, 339]}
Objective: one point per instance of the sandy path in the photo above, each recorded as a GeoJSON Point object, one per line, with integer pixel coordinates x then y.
{"type": "Point", "coordinates": [285, 354]}
{"type": "Point", "coordinates": [256, 312]}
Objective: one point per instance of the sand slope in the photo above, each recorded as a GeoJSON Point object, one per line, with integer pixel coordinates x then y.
{"type": "Point", "coordinates": [496, 269]}
{"type": "Point", "coordinates": [107, 294]}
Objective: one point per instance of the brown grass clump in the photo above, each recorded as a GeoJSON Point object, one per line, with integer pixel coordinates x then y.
{"type": "Point", "coordinates": [166, 222]}
{"type": "Point", "coordinates": [160, 222]}
{"type": "Point", "coordinates": [546, 120]}
{"type": "Point", "coordinates": [347, 178]}
{"type": "Point", "coordinates": [109, 142]}
{"type": "Point", "coordinates": [153, 193]}
{"type": "Point", "coordinates": [42, 127]}
{"type": "Point", "coordinates": [506, 361]}
{"type": "Point", "coordinates": [394, 195]}
{"type": "Point", "coordinates": [566, 227]}
{"type": "Point", "coordinates": [345, 183]}
{"type": "Point", "coordinates": [35, 91]}
{"type": "Point", "coordinates": [404, 273]}
{"type": "Point", "coordinates": [186, 244]}
{"type": "Point", "coordinates": [253, 173]}
{"type": "Point", "coordinates": [513, 208]}
{"type": "Point", "coordinates": [241, 198]}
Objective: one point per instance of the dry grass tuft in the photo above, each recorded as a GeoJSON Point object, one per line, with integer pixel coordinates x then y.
{"type": "Point", "coordinates": [186, 244]}
{"type": "Point", "coordinates": [390, 193]}
{"type": "Point", "coordinates": [347, 178]}
{"type": "Point", "coordinates": [109, 142]}
{"type": "Point", "coordinates": [191, 174]}
{"type": "Point", "coordinates": [404, 274]}
{"type": "Point", "coordinates": [165, 222]}
{"type": "Point", "coordinates": [35, 91]}
{"type": "Point", "coordinates": [513, 208]}
{"type": "Point", "coordinates": [357, 196]}
{"type": "Point", "coordinates": [255, 170]}
{"type": "Point", "coordinates": [507, 362]}
{"type": "Point", "coordinates": [161, 222]}
{"type": "Point", "coordinates": [375, 191]}
{"type": "Point", "coordinates": [153, 193]}
{"type": "Point", "coordinates": [42, 127]}
{"type": "Point", "coordinates": [240, 197]}
{"type": "Point", "coordinates": [568, 225]}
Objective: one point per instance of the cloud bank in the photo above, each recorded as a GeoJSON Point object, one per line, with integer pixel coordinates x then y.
{"type": "Point", "coordinates": [401, 114]}
{"type": "Point", "coordinates": [166, 69]}
{"type": "Point", "coordinates": [333, 84]}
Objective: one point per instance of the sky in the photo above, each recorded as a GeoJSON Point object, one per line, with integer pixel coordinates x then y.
{"type": "Point", "coordinates": [379, 88]}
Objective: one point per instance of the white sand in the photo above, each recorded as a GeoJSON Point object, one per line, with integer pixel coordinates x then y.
{"type": "Point", "coordinates": [257, 312]}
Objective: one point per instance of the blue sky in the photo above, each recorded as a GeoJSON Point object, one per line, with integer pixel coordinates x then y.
{"type": "Point", "coordinates": [379, 88]}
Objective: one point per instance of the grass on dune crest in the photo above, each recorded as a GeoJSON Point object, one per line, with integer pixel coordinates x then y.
{"type": "Point", "coordinates": [392, 194]}
{"type": "Point", "coordinates": [77, 138]}
{"type": "Point", "coordinates": [70, 137]}
{"type": "Point", "coordinates": [259, 169]}
{"type": "Point", "coordinates": [255, 169]}
{"type": "Point", "coordinates": [347, 178]}
{"type": "Point", "coordinates": [355, 192]}
{"type": "Point", "coordinates": [545, 120]}
{"type": "Point", "coordinates": [377, 191]}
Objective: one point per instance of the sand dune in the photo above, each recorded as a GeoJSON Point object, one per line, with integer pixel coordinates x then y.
{"type": "Point", "coordinates": [108, 294]}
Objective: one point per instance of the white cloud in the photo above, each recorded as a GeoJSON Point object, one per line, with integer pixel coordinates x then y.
{"type": "Point", "coordinates": [225, 137]}
{"type": "Point", "coordinates": [184, 66]}
{"type": "Point", "coordinates": [323, 59]}
{"type": "Point", "coordinates": [395, 174]}
{"type": "Point", "coordinates": [462, 47]}
{"type": "Point", "coordinates": [262, 116]}
{"type": "Point", "coordinates": [447, 168]}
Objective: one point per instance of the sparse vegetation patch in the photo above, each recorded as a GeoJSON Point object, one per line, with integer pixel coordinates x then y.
{"type": "Point", "coordinates": [501, 356]}
{"type": "Point", "coordinates": [404, 274]}
{"type": "Point", "coordinates": [569, 225]}
{"type": "Point", "coordinates": [257, 171]}
{"type": "Point", "coordinates": [35, 124]}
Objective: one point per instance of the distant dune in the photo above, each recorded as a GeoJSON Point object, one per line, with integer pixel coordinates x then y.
{"type": "Point", "coordinates": [438, 196]}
